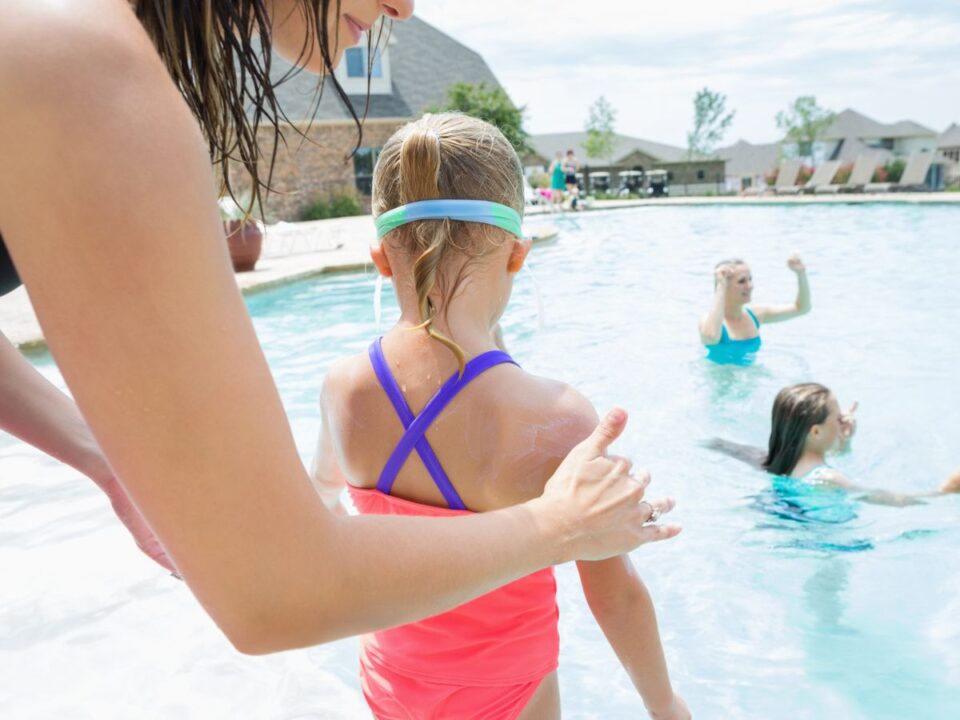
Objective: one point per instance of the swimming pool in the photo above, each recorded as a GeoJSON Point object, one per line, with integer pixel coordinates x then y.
{"type": "Point", "coordinates": [762, 618]}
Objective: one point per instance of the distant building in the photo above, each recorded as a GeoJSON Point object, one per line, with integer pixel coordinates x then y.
{"type": "Point", "coordinates": [853, 133]}
{"type": "Point", "coordinates": [949, 143]}
{"type": "Point", "coordinates": [850, 135]}
{"type": "Point", "coordinates": [414, 71]}
{"type": "Point", "coordinates": [748, 165]}
{"type": "Point", "coordinates": [693, 176]}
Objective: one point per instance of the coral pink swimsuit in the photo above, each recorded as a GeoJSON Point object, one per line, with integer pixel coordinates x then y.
{"type": "Point", "coordinates": [483, 659]}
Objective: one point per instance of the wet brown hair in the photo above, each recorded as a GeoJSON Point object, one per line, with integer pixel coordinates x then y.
{"type": "Point", "coordinates": [796, 409]}
{"type": "Point", "coordinates": [218, 53]}
{"type": "Point", "coordinates": [448, 156]}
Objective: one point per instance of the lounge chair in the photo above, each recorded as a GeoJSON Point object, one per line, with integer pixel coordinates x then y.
{"type": "Point", "coordinates": [914, 175]}
{"type": "Point", "coordinates": [787, 178]}
{"type": "Point", "coordinates": [862, 172]}
{"type": "Point", "coordinates": [822, 175]}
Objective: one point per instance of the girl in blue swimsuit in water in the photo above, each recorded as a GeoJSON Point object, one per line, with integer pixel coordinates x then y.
{"type": "Point", "coordinates": [807, 424]}
{"type": "Point", "coordinates": [731, 330]}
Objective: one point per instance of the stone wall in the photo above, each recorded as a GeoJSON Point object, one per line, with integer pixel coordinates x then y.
{"type": "Point", "coordinates": [318, 164]}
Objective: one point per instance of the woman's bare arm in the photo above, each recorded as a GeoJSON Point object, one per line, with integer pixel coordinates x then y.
{"type": "Point", "coordinates": [107, 205]}
{"type": "Point", "coordinates": [35, 411]}
{"type": "Point", "coordinates": [711, 325]}
{"type": "Point", "coordinates": [801, 305]}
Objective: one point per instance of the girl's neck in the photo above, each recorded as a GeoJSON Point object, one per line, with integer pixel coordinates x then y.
{"type": "Point", "coordinates": [809, 459]}
{"type": "Point", "coordinates": [468, 319]}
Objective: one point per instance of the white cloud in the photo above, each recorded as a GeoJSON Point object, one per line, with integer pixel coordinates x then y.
{"type": "Point", "coordinates": [891, 59]}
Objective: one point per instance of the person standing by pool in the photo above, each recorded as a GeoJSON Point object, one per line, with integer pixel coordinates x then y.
{"type": "Point", "coordinates": [557, 180]}
{"type": "Point", "coordinates": [570, 168]}
{"type": "Point", "coordinates": [731, 330]}
{"type": "Point", "coordinates": [129, 275]}
{"type": "Point", "coordinates": [499, 432]}
{"type": "Point", "coordinates": [807, 425]}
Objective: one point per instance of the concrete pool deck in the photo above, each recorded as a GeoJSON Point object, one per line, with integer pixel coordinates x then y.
{"type": "Point", "coordinates": [293, 251]}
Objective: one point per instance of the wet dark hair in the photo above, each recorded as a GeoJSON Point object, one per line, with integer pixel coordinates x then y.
{"type": "Point", "coordinates": [218, 53]}
{"type": "Point", "coordinates": [796, 409]}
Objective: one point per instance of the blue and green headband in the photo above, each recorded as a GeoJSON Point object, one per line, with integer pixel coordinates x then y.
{"type": "Point", "coordinates": [479, 211]}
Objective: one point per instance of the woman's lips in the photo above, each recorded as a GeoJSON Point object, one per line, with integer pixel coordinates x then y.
{"type": "Point", "coordinates": [357, 29]}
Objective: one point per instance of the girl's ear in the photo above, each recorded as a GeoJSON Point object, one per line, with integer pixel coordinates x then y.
{"type": "Point", "coordinates": [517, 256]}
{"type": "Point", "coordinates": [379, 258]}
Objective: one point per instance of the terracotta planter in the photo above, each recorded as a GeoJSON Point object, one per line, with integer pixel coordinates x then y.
{"type": "Point", "coordinates": [245, 242]}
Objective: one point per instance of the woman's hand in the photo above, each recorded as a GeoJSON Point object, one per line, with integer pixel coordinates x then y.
{"type": "Point", "coordinates": [722, 275]}
{"type": "Point", "coordinates": [677, 710]}
{"type": "Point", "coordinates": [597, 504]}
{"type": "Point", "coordinates": [134, 522]}
{"type": "Point", "coordinates": [796, 264]}
{"type": "Point", "coordinates": [952, 485]}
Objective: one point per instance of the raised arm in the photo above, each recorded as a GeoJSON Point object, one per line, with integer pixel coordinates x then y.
{"type": "Point", "coordinates": [800, 306]}
{"type": "Point", "coordinates": [711, 326]}
{"type": "Point", "coordinates": [622, 607]}
{"type": "Point", "coordinates": [129, 276]}
{"type": "Point", "coordinates": [35, 411]}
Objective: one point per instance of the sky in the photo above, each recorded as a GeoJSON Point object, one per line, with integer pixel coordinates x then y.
{"type": "Point", "coordinates": [888, 59]}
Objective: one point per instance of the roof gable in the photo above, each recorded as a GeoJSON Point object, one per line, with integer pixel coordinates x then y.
{"type": "Point", "coordinates": [852, 124]}
{"type": "Point", "coordinates": [547, 144]}
{"type": "Point", "coordinates": [950, 137]}
{"type": "Point", "coordinates": [424, 64]}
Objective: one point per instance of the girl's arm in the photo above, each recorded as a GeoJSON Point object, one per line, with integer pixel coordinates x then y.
{"type": "Point", "coordinates": [876, 496]}
{"type": "Point", "coordinates": [108, 208]}
{"type": "Point", "coordinates": [622, 607]}
{"type": "Point", "coordinates": [748, 454]}
{"type": "Point", "coordinates": [35, 411]}
{"type": "Point", "coordinates": [711, 326]}
{"type": "Point", "coordinates": [327, 475]}
{"type": "Point", "coordinates": [800, 306]}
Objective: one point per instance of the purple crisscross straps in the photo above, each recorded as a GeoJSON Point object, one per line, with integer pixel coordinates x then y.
{"type": "Point", "coordinates": [416, 426]}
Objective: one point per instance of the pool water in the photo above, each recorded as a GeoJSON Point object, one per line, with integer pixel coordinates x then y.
{"type": "Point", "coordinates": [763, 614]}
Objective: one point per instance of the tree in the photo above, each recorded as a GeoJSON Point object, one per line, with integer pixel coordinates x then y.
{"type": "Point", "coordinates": [599, 127]}
{"type": "Point", "coordinates": [710, 122]}
{"type": "Point", "coordinates": [805, 122]}
{"type": "Point", "coordinates": [492, 105]}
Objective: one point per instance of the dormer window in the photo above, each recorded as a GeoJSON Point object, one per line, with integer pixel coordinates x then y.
{"type": "Point", "coordinates": [356, 59]}
{"type": "Point", "coordinates": [352, 72]}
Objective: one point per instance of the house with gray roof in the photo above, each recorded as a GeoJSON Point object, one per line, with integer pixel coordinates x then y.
{"type": "Point", "coordinates": [748, 165]}
{"type": "Point", "coordinates": [695, 175]}
{"type": "Point", "coordinates": [949, 146]}
{"type": "Point", "coordinates": [412, 69]}
{"type": "Point", "coordinates": [949, 143]}
{"type": "Point", "coordinates": [852, 133]}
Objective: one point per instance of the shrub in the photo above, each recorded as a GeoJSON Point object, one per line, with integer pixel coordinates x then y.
{"type": "Point", "coordinates": [539, 180]}
{"type": "Point", "coordinates": [894, 170]}
{"type": "Point", "coordinates": [323, 206]}
{"type": "Point", "coordinates": [806, 172]}
{"type": "Point", "coordinates": [843, 174]}
{"type": "Point", "coordinates": [771, 177]}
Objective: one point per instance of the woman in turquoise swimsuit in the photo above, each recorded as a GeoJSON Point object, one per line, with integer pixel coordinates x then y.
{"type": "Point", "coordinates": [557, 179]}
{"type": "Point", "coordinates": [731, 330]}
{"type": "Point", "coordinates": [807, 424]}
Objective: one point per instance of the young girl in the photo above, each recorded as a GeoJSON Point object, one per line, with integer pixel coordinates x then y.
{"type": "Point", "coordinates": [731, 330]}
{"type": "Point", "coordinates": [436, 420]}
{"type": "Point", "coordinates": [806, 425]}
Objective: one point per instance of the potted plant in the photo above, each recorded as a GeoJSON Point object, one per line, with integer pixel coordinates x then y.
{"type": "Point", "coordinates": [244, 236]}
